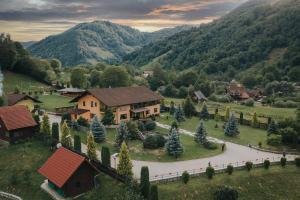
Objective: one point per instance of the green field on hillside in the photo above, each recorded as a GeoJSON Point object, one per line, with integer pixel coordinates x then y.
{"type": "Point", "coordinates": [52, 101]}
{"type": "Point", "coordinates": [24, 83]}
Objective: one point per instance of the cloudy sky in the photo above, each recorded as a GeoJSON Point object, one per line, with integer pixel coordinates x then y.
{"type": "Point", "coordinates": [35, 19]}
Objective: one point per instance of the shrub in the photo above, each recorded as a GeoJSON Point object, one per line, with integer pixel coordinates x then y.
{"type": "Point", "coordinates": [210, 145]}
{"type": "Point", "coordinates": [82, 122]}
{"type": "Point", "coordinates": [141, 126]}
{"type": "Point", "coordinates": [225, 193]}
{"type": "Point", "coordinates": [267, 164]}
{"type": "Point", "coordinates": [297, 161]}
{"type": "Point", "coordinates": [229, 169]}
{"type": "Point", "coordinates": [283, 161]}
{"type": "Point", "coordinates": [249, 102]}
{"type": "Point", "coordinates": [185, 177]}
{"type": "Point", "coordinates": [150, 125]}
{"type": "Point", "coordinates": [14, 179]}
{"type": "Point", "coordinates": [210, 171]}
{"type": "Point", "coordinates": [154, 142]}
{"type": "Point", "coordinates": [249, 165]}
{"type": "Point", "coordinates": [274, 140]}
{"type": "Point", "coordinates": [259, 144]}
{"type": "Point", "coordinates": [145, 184]}
{"type": "Point", "coordinates": [105, 156]}
{"type": "Point", "coordinates": [285, 104]}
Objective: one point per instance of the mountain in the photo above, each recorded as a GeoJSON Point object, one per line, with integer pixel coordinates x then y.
{"type": "Point", "coordinates": [96, 41]}
{"type": "Point", "coordinates": [244, 39]}
{"type": "Point", "coordinates": [28, 44]}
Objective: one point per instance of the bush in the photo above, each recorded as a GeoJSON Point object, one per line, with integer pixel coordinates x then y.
{"type": "Point", "coordinates": [297, 161]}
{"type": "Point", "coordinates": [225, 193]}
{"type": "Point", "coordinates": [249, 102]}
{"type": "Point", "coordinates": [274, 140]}
{"type": "Point", "coordinates": [249, 165]}
{"type": "Point", "coordinates": [154, 141]}
{"type": "Point", "coordinates": [185, 177]}
{"type": "Point", "coordinates": [283, 161]}
{"type": "Point", "coordinates": [83, 122]}
{"type": "Point", "coordinates": [267, 164]}
{"type": "Point", "coordinates": [150, 125]}
{"type": "Point", "coordinates": [285, 104]}
{"type": "Point", "coordinates": [141, 126]}
{"type": "Point", "coordinates": [210, 171]}
{"type": "Point", "coordinates": [229, 169]}
{"type": "Point", "coordinates": [210, 145]}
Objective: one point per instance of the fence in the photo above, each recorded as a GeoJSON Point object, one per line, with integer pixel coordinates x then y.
{"type": "Point", "coordinates": [9, 196]}
{"type": "Point", "coordinates": [174, 176]}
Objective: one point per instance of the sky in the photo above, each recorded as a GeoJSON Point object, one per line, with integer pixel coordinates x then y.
{"type": "Point", "coordinates": [27, 20]}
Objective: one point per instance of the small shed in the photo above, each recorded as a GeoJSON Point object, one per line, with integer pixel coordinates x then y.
{"type": "Point", "coordinates": [16, 123]}
{"type": "Point", "coordinates": [69, 174]}
{"type": "Point", "coordinates": [199, 96]}
{"type": "Point", "coordinates": [71, 92]}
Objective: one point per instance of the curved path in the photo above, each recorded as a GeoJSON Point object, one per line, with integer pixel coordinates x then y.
{"type": "Point", "coordinates": [235, 154]}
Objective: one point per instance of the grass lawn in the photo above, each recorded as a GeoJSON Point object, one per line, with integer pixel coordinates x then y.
{"type": "Point", "coordinates": [24, 83]}
{"type": "Point", "coordinates": [50, 102]}
{"type": "Point", "coordinates": [276, 183]}
{"type": "Point", "coordinates": [17, 160]}
{"type": "Point", "coordinates": [192, 150]}
{"type": "Point", "coordinates": [248, 135]}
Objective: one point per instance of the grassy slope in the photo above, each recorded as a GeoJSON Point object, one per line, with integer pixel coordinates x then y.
{"type": "Point", "coordinates": [276, 183]}
{"type": "Point", "coordinates": [15, 160]}
{"type": "Point", "coordinates": [191, 149]}
{"type": "Point", "coordinates": [50, 102]}
{"type": "Point", "coordinates": [25, 83]}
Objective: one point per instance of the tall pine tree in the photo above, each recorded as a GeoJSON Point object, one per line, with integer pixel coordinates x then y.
{"type": "Point", "coordinates": [188, 107]}
{"type": "Point", "coordinates": [109, 117]}
{"type": "Point", "coordinates": [55, 132]}
{"type": "Point", "coordinates": [174, 146]}
{"type": "Point", "coordinates": [179, 114]}
{"type": "Point", "coordinates": [45, 126]}
{"type": "Point", "coordinates": [98, 130]}
{"type": "Point", "coordinates": [200, 136]}
{"type": "Point", "coordinates": [122, 134]}
{"type": "Point", "coordinates": [66, 139]}
{"type": "Point", "coordinates": [231, 127]}
{"type": "Point", "coordinates": [91, 147]}
{"type": "Point", "coordinates": [125, 165]}
{"type": "Point", "coordinates": [204, 114]}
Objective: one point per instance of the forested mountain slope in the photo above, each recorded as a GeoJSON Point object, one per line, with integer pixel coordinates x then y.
{"type": "Point", "coordinates": [234, 43]}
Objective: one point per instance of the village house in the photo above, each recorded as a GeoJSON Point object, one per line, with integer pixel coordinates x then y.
{"type": "Point", "coordinates": [126, 103]}
{"type": "Point", "coordinates": [68, 173]}
{"type": "Point", "coordinates": [147, 73]}
{"type": "Point", "coordinates": [199, 97]}
{"type": "Point", "coordinates": [22, 99]}
{"type": "Point", "coordinates": [70, 92]}
{"type": "Point", "coordinates": [237, 91]}
{"type": "Point", "coordinates": [16, 123]}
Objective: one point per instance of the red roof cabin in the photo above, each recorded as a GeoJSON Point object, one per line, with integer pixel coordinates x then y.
{"type": "Point", "coordinates": [237, 91]}
{"type": "Point", "coordinates": [69, 174]}
{"type": "Point", "coordinates": [16, 123]}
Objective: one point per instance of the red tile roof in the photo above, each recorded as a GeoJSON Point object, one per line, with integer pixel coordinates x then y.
{"type": "Point", "coordinates": [61, 166]}
{"type": "Point", "coordinates": [122, 96]}
{"type": "Point", "coordinates": [16, 117]}
{"type": "Point", "coordinates": [12, 99]}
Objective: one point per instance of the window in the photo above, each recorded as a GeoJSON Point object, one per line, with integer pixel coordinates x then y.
{"type": "Point", "coordinates": [83, 103]}
{"type": "Point", "coordinates": [123, 116]}
{"type": "Point", "coordinates": [95, 104]}
{"type": "Point", "coordinates": [75, 116]}
{"type": "Point", "coordinates": [147, 112]}
{"type": "Point", "coordinates": [155, 110]}
{"type": "Point", "coordinates": [92, 104]}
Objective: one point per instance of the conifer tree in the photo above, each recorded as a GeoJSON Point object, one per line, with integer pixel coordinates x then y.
{"type": "Point", "coordinates": [200, 136]}
{"type": "Point", "coordinates": [188, 107]}
{"type": "Point", "coordinates": [204, 114]}
{"type": "Point", "coordinates": [254, 120]}
{"type": "Point", "coordinates": [241, 118]}
{"type": "Point", "coordinates": [98, 130]}
{"type": "Point", "coordinates": [145, 183]}
{"type": "Point", "coordinates": [45, 126]}
{"type": "Point", "coordinates": [174, 146]}
{"type": "Point", "coordinates": [77, 143]}
{"type": "Point", "coordinates": [55, 132]}
{"type": "Point", "coordinates": [109, 117]}
{"type": "Point", "coordinates": [272, 129]}
{"type": "Point", "coordinates": [105, 156]}
{"type": "Point", "coordinates": [66, 140]}
{"type": "Point", "coordinates": [179, 114]}
{"type": "Point", "coordinates": [231, 127]}
{"type": "Point", "coordinates": [122, 134]}
{"type": "Point", "coordinates": [227, 113]}
{"type": "Point", "coordinates": [153, 193]}
{"type": "Point", "coordinates": [125, 165]}
{"type": "Point", "coordinates": [172, 108]}
{"type": "Point", "coordinates": [91, 147]}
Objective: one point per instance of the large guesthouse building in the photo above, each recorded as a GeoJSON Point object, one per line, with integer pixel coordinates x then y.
{"type": "Point", "coordinates": [126, 103]}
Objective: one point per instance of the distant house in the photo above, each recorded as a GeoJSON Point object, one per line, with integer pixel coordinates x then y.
{"type": "Point", "coordinates": [126, 103]}
{"type": "Point", "coordinates": [22, 99]}
{"type": "Point", "coordinates": [237, 91]}
{"type": "Point", "coordinates": [16, 123]}
{"type": "Point", "coordinates": [68, 173]}
{"type": "Point", "coordinates": [71, 92]}
{"type": "Point", "coordinates": [199, 96]}
{"type": "Point", "coordinates": [256, 94]}
{"type": "Point", "coordinates": [147, 73]}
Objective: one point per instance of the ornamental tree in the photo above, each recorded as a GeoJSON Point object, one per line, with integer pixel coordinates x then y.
{"type": "Point", "coordinates": [109, 117]}
{"type": "Point", "coordinates": [77, 143]}
{"type": "Point", "coordinates": [66, 140]}
{"type": "Point", "coordinates": [145, 183]}
{"type": "Point", "coordinates": [188, 107]}
{"type": "Point", "coordinates": [122, 134]}
{"type": "Point", "coordinates": [124, 167]}
{"type": "Point", "coordinates": [204, 114]}
{"type": "Point", "coordinates": [55, 132]}
{"type": "Point", "coordinates": [98, 130]}
{"type": "Point", "coordinates": [174, 146]}
{"type": "Point", "coordinates": [200, 136]}
{"type": "Point", "coordinates": [272, 129]}
{"type": "Point", "coordinates": [241, 118]}
{"type": "Point", "coordinates": [227, 113]}
{"type": "Point", "coordinates": [231, 127]}
{"type": "Point", "coordinates": [45, 126]}
{"type": "Point", "coordinates": [179, 114]}
{"type": "Point", "coordinates": [105, 156]}
{"type": "Point", "coordinates": [91, 147]}
{"type": "Point", "coordinates": [254, 120]}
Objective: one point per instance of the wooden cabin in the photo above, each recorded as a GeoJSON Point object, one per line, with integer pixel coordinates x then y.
{"type": "Point", "coordinates": [22, 99]}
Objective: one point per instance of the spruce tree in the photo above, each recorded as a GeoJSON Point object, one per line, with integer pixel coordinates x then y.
{"type": "Point", "coordinates": [105, 156]}
{"type": "Point", "coordinates": [66, 140]}
{"type": "Point", "coordinates": [77, 143]}
{"type": "Point", "coordinates": [231, 127]}
{"type": "Point", "coordinates": [172, 108]}
{"type": "Point", "coordinates": [145, 183]}
{"type": "Point", "coordinates": [45, 126]}
{"type": "Point", "coordinates": [91, 147]}
{"type": "Point", "coordinates": [122, 134]}
{"type": "Point", "coordinates": [254, 120]}
{"type": "Point", "coordinates": [109, 117]}
{"type": "Point", "coordinates": [272, 129]}
{"type": "Point", "coordinates": [227, 113]}
{"type": "Point", "coordinates": [174, 146]}
{"type": "Point", "coordinates": [153, 193]}
{"type": "Point", "coordinates": [179, 114]}
{"type": "Point", "coordinates": [200, 136]}
{"type": "Point", "coordinates": [188, 107]}
{"type": "Point", "coordinates": [204, 114]}
{"type": "Point", "coordinates": [98, 130]}
{"type": "Point", "coordinates": [55, 132]}
{"type": "Point", "coordinates": [125, 165]}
